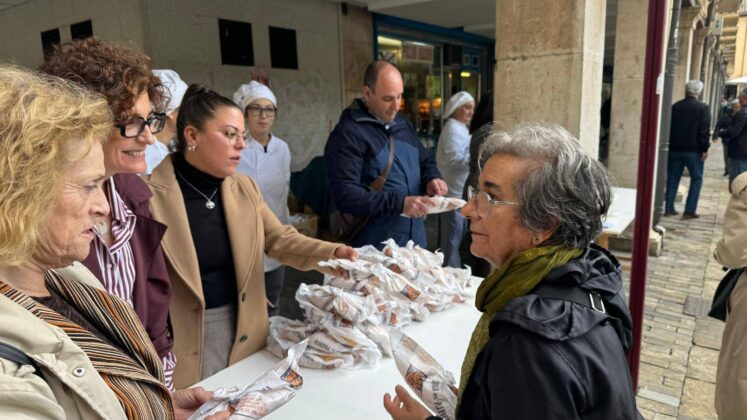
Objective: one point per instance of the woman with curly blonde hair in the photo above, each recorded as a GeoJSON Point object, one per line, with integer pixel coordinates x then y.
{"type": "Point", "coordinates": [126, 251]}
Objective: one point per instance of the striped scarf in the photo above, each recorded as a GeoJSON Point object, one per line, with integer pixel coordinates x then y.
{"type": "Point", "coordinates": [135, 375]}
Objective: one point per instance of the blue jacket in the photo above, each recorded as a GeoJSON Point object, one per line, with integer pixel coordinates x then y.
{"type": "Point", "coordinates": [356, 153]}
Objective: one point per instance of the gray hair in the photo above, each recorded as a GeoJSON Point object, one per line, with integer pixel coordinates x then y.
{"type": "Point", "coordinates": [744, 92]}
{"type": "Point", "coordinates": [693, 87]}
{"type": "Point", "coordinates": [567, 192]}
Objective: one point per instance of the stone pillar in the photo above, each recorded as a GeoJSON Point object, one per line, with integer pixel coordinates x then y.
{"type": "Point", "coordinates": [684, 52]}
{"type": "Point", "coordinates": [549, 57]}
{"type": "Point", "coordinates": [740, 53]}
{"type": "Point", "coordinates": [627, 91]}
{"type": "Point", "coordinates": [697, 54]}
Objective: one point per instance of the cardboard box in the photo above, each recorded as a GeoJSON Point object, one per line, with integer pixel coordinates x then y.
{"type": "Point", "coordinates": [307, 224]}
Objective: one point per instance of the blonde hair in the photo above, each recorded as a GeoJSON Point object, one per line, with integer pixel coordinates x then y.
{"type": "Point", "coordinates": [46, 124]}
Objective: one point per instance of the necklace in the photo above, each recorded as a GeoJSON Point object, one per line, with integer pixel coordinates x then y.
{"type": "Point", "coordinates": [102, 227]}
{"type": "Point", "coordinates": [210, 204]}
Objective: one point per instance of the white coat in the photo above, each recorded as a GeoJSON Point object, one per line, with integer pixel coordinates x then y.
{"type": "Point", "coordinates": [270, 168]}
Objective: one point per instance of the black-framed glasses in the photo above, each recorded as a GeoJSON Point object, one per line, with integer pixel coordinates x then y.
{"type": "Point", "coordinates": [135, 126]}
{"type": "Point", "coordinates": [483, 201]}
{"type": "Point", "coordinates": [257, 110]}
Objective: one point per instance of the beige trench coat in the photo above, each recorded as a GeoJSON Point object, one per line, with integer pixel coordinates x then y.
{"type": "Point", "coordinates": [253, 229]}
{"type": "Point", "coordinates": [62, 394]}
{"type": "Point", "coordinates": [731, 252]}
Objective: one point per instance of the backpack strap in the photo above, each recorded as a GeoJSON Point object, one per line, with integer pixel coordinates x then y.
{"type": "Point", "coordinates": [12, 353]}
{"type": "Point", "coordinates": [590, 299]}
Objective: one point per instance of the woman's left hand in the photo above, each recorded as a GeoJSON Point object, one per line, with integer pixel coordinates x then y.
{"type": "Point", "coordinates": [187, 401]}
{"type": "Point", "coordinates": [404, 407]}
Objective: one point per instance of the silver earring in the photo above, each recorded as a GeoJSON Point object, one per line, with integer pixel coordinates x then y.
{"type": "Point", "coordinates": [191, 147]}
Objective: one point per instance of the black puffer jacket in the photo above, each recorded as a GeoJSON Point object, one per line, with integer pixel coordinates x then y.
{"type": "Point", "coordinates": [555, 359]}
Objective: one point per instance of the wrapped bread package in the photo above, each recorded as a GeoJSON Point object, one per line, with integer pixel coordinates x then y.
{"type": "Point", "coordinates": [425, 376]}
{"type": "Point", "coordinates": [270, 391]}
{"type": "Point", "coordinates": [350, 306]}
{"type": "Point", "coordinates": [442, 204]}
{"type": "Point", "coordinates": [333, 343]}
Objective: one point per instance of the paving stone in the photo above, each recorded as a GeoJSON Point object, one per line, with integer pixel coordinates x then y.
{"type": "Point", "coordinates": [708, 332]}
{"type": "Point", "coordinates": [697, 306]}
{"type": "Point", "coordinates": [659, 397]}
{"type": "Point", "coordinates": [697, 399]}
{"type": "Point", "coordinates": [701, 364]}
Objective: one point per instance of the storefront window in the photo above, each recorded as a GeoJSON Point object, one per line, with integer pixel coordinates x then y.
{"type": "Point", "coordinates": [420, 65]}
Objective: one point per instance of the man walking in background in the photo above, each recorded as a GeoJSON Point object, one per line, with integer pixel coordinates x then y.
{"type": "Point", "coordinates": [736, 132]}
{"type": "Point", "coordinates": [688, 148]}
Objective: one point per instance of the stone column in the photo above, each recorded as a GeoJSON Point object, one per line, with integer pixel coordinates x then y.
{"type": "Point", "coordinates": [549, 57]}
{"type": "Point", "coordinates": [627, 91]}
{"type": "Point", "coordinates": [684, 53]}
{"type": "Point", "coordinates": [740, 52]}
{"type": "Point", "coordinates": [697, 54]}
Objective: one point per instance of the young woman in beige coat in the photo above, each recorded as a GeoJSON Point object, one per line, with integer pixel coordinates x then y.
{"type": "Point", "coordinates": [731, 252]}
{"type": "Point", "coordinates": [219, 229]}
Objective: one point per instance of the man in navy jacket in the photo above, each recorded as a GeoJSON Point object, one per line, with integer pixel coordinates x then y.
{"type": "Point", "coordinates": [736, 132]}
{"type": "Point", "coordinates": [357, 152]}
{"type": "Point", "coordinates": [688, 147]}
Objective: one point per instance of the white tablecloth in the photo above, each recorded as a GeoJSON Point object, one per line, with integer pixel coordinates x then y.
{"type": "Point", "coordinates": [358, 394]}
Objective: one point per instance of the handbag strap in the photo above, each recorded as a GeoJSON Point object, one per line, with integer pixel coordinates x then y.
{"type": "Point", "coordinates": [12, 353]}
{"type": "Point", "coordinates": [378, 183]}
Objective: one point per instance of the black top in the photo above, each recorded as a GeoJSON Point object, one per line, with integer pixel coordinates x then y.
{"type": "Point", "coordinates": [691, 125]}
{"type": "Point", "coordinates": [58, 304]}
{"type": "Point", "coordinates": [209, 233]}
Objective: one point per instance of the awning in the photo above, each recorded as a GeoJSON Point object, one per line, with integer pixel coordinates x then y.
{"type": "Point", "coordinates": [737, 81]}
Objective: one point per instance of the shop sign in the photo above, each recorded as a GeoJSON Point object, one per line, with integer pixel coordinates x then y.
{"type": "Point", "coordinates": [417, 53]}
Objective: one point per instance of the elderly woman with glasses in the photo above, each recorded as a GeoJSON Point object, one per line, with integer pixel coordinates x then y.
{"type": "Point", "coordinates": [220, 228]}
{"type": "Point", "coordinates": [555, 328]}
{"type": "Point", "coordinates": [68, 349]}
{"type": "Point", "coordinates": [126, 251]}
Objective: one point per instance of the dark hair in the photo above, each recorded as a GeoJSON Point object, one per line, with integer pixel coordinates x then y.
{"type": "Point", "coordinates": [371, 74]}
{"type": "Point", "coordinates": [198, 105]}
{"type": "Point", "coordinates": [483, 113]}
{"type": "Point", "coordinates": [118, 72]}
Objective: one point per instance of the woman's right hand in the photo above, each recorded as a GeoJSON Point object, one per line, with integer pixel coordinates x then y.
{"type": "Point", "coordinates": [404, 407]}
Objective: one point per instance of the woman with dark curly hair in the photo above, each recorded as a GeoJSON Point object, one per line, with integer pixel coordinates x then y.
{"type": "Point", "coordinates": [126, 251]}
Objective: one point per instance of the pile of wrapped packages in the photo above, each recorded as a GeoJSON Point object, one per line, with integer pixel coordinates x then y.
{"type": "Point", "coordinates": [348, 318]}
{"type": "Point", "coordinates": [351, 322]}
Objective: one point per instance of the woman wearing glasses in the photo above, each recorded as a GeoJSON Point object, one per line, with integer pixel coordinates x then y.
{"type": "Point", "coordinates": [220, 227]}
{"type": "Point", "coordinates": [266, 159]}
{"type": "Point", "coordinates": [555, 328]}
{"type": "Point", "coordinates": [126, 250]}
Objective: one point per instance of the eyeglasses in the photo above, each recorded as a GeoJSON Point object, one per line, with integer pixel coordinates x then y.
{"type": "Point", "coordinates": [257, 110]}
{"type": "Point", "coordinates": [135, 126]}
{"type": "Point", "coordinates": [483, 201]}
{"type": "Point", "coordinates": [233, 136]}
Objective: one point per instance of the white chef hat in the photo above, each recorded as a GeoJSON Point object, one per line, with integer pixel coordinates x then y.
{"type": "Point", "coordinates": [174, 84]}
{"type": "Point", "coordinates": [457, 101]}
{"type": "Point", "coordinates": [247, 94]}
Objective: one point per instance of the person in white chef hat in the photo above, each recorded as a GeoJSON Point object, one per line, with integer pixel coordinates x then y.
{"type": "Point", "coordinates": [452, 157]}
{"type": "Point", "coordinates": [266, 158]}
{"type": "Point", "coordinates": [154, 153]}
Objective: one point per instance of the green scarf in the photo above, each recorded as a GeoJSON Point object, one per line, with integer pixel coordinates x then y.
{"type": "Point", "coordinates": [515, 278]}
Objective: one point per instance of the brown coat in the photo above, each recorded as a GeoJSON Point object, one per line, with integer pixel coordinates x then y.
{"type": "Point", "coordinates": [253, 229]}
{"type": "Point", "coordinates": [731, 252]}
